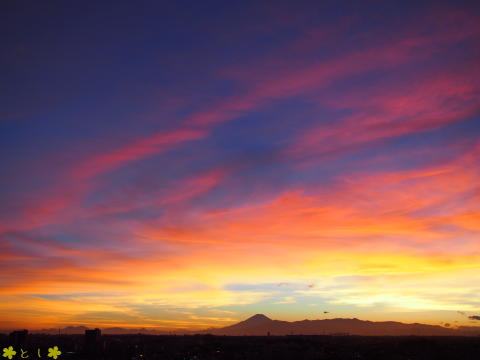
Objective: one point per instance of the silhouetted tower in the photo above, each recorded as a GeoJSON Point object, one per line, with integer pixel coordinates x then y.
{"type": "Point", "coordinates": [92, 342]}
{"type": "Point", "coordinates": [18, 338]}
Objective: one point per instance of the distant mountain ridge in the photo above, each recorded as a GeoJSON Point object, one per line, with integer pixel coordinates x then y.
{"type": "Point", "coordinates": [260, 325]}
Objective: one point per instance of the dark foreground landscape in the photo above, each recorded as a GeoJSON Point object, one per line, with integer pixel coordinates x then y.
{"type": "Point", "coordinates": [145, 347]}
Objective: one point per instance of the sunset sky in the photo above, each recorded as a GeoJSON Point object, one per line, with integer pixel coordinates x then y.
{"type": "Point", "coordinates": [187, 164]}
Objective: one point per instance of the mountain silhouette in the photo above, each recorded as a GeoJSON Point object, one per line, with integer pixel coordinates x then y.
{"type": "Point", "coordinates": [254, 324]}
{"type": "Point", "coordinates": [255, 320]}
{"type": "Point", "coordinates": [260, 324]}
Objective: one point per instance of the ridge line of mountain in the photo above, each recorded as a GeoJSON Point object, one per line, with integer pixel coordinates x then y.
{"type": "Point", "coordinates": [260, 324]}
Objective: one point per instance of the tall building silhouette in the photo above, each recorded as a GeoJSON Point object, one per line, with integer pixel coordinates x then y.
{"type": "Point", "coordinates": [18, 338]}
{"type": "Point", "coordinates": [92, 342]}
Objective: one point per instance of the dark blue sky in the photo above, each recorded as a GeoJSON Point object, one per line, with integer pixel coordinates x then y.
{"type": "Point", "coordinates": [186, 157]}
